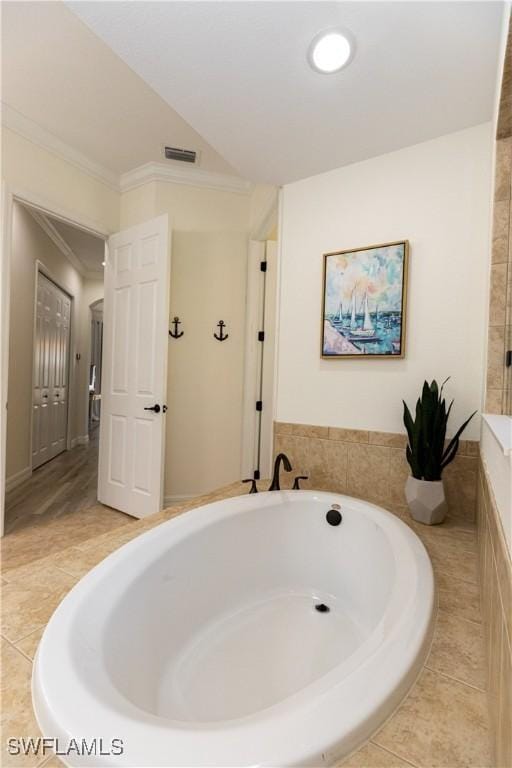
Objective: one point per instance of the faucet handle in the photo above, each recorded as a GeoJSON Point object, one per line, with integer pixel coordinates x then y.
{"type": "Point", "coordinates": [254, 487]}
{"type": "Point", "coordinates": [296, 486]}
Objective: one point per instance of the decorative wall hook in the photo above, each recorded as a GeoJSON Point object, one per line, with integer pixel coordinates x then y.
{"type": "Point", "coordinates": [176, 335]}
{"type": "Point", "coordinates": [221, 337]}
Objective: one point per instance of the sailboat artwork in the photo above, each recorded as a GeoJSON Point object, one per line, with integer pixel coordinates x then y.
{"type": "Point", "coordinates": [371, 285]}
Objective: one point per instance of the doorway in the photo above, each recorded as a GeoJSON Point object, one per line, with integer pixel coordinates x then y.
{"type": "Point", "coordinates": [56, 274]}
{"type": "Point", "coordinates": [50, 394]}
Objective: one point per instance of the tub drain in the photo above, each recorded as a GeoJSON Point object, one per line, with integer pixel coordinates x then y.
{"type": "Point", "coordinates": [322, 608]}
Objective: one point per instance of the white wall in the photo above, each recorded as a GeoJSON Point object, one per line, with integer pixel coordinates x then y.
{"type": "Point", "coordinates": [30, 170]}
{"type": "Point", "coordinates": [210, 231]}
{"type": "Point", "coordinates": [437, 195]}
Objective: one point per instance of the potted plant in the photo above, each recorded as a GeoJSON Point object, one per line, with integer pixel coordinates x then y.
{"type": "Point", "coordinates": [428, 454]}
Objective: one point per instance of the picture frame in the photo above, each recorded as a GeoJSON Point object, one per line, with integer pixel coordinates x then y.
{"type": "Point", "coordinates": [364, 302]}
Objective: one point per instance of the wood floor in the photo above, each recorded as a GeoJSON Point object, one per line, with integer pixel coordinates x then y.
{"type": "Point", "coordinates": [57, 508]}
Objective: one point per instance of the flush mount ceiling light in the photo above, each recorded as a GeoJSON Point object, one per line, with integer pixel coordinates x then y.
{"type": "Point", "coordinates": [330, 51]}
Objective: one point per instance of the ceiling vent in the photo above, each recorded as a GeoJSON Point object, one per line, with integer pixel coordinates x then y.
{"type": "Point", "coordinates": [183, 155]}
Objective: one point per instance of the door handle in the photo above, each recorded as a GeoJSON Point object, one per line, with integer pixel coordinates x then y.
{"type": "Point", "coordinates": [155, 408]}
{"type": "Point", "coordinates": [45, 395]}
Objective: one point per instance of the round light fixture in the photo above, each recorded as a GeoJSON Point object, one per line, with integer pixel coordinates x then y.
{"type": "Point", "coordinates": [330, 51]}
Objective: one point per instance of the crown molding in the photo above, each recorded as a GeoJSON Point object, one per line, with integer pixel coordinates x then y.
{"type": "Point", "coordinates": [192, 177]}
{"type": "Point", "coordinates": [144, 174]}
{"type": "Point", "coordinates": [15, 121]}
{"type": "Point", "coordinates": [59, 241]}
{"type": "Point", "coordinates": [48, 228]}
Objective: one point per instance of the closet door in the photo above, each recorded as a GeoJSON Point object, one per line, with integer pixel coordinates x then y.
{"type": "Point", "coordinates": [60, 364]}
{"type": "Point", "coordinates": [51, 367]}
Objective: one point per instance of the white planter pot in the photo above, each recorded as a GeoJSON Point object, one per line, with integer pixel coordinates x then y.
{"type": "Point", "coordinates": [426, 500]}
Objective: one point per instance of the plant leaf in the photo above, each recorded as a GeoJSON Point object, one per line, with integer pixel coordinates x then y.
{"type": "Point", "coordinates": [449, 454]}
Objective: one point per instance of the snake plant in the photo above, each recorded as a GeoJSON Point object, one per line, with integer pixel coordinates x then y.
{"type": "Point", "coordinates": [427, 452]}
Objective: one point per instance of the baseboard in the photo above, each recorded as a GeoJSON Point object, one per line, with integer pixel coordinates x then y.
{"type": "Point", "coordinates": [17, 479]}
{"type": "Point", "coordinates": [80, 440]}
{"type": "Point", "coordinates": [170, 500]}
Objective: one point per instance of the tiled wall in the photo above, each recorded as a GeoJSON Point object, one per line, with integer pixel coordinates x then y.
{"type": "Point", "coordinates": [498, 395]}
{"type": "Point", "coordinates": [370, 465]}
{"type": "Point", "coordinates": [496, 596]}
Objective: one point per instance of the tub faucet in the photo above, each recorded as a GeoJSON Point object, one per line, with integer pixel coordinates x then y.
{"type": "Point", "coordinates": [281, 457]}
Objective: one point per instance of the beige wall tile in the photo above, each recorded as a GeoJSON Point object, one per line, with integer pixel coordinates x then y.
{"type": "Point", "coordinates": [458, 650]}
{"type": "Point", "coordinates": [493, 401]}
{"type": "Point", "coordinates": [309, 430]}
{"type": "Point", "coordinates": [282, 428]}
{"type": "Point", "coordinates": [469, 447]}
{"type": "Point", "coordinates": [500, 250]}
{"type": "Point", "coordinates": [504, 730]}
{"type": "Point", "coordinates": [501, 214]}
{"type": "Point", "coordinates": [441, 724]}
{"type": "Point", "coordinates": [497, 298]}
{"type": "Point", "coordinates": [348, 435]}
{"type": "Point", "coordinates": [459, 479]}
{"type": "Point", "coordinates": [323, 461]}
{"type": "Point", "coordinates": [368, 472]}
{"type": "Point", "coordinates": [503, 169]}
{"type": "Point", "coordinates": [496, 347]}
{"type": "Point", "coordinates": [391, 439]}
{"type": "Point", "coordinates": [494, 649]}
{"type": "Point", "coordinates": [399, 471]}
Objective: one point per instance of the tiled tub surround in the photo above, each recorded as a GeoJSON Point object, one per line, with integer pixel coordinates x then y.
{"type": "Point", "coordinates": [498, 395]}
{"type": "Point", "coordinates": [443, 721]}
{"type": "Point", "coordinates": [496, 592]}
{"type": "Point", "coordinates": [371, 465]}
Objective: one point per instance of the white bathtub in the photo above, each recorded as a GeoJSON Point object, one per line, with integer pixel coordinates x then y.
{"type": "Point", "coordinates": [199, 643]}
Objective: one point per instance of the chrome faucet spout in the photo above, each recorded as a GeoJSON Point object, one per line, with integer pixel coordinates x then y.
{"type": "Point", "coordinates": [280, 458]}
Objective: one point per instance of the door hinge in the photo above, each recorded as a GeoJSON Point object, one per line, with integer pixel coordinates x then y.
{"type": "Point", "coordinates": [263, 266]}
{"type": "Point", "coordinates": [508, 358]}
{"type": "Point", "coordinates": [259, 405]}
{"type": "Point", "coordinates": [261, 335]}
{"type": "Point", "coordinates": [256, 474]}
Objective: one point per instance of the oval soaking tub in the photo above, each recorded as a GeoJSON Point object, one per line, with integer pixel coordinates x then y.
{"type": "Point", "coordinates": [246, 632]}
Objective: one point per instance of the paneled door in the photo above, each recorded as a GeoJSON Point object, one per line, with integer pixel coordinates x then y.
{"type": "Point", "coordinates": [134, 385]}
{"type": "Point", "coordinates": [51, 371]}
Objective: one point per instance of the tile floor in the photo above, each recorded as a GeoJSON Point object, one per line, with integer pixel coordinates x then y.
{"type": "Point", "coordinates": [442, 723]}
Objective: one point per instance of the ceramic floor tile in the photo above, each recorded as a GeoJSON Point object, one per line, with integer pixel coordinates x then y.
{"type": "Point", "coordinates": [458, 650]}
{"type": "Point", "coordinates": [441, 724]}
{"type": "Point", "coordinates": [28, 645]}
{"type": "Point", "coordinates": [372, 756]}
{"type": "Point", "coordinates": [17, 716]}
{"type": "Point", "coordinates": [459, 598]}
{"type": "Point", "coordinates": [25, 610]}
{"type": "Point", "coordinates": [461, 564]}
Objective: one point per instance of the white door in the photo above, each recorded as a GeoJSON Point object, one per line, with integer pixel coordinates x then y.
{"type": "Point", "coordinates": [134, 386]}
{"type": "Point", "coordinates": [51, 371]}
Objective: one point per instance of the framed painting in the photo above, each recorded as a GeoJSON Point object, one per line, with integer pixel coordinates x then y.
{"type": "Point", "coordinates": [364, 302]}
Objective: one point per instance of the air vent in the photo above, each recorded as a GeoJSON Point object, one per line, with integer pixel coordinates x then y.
{"type": "Point", "coordinates": [184, 155]}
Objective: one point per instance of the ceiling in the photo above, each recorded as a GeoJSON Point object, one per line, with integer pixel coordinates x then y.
{"type": "Point", "coordinates": [61, 76]}
{"type": "Point", "coordinates": [89, 250]}
{"type": "Point", "coordinates": [118, 80]}
{"type": "Point", "coordinates": [237, 72]}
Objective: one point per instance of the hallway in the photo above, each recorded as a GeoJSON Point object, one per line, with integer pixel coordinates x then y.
{"type": "Point", "coordinates": [57, 508]}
